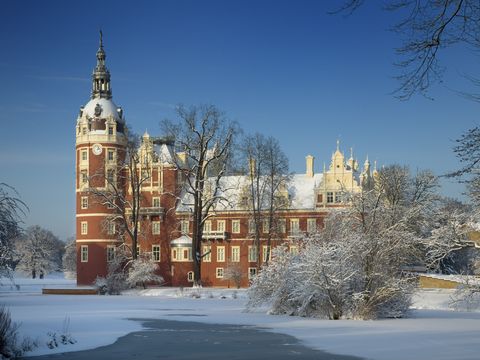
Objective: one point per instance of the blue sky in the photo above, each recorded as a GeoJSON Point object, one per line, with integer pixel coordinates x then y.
{"type": "Point", "coordinates": [283, 68]}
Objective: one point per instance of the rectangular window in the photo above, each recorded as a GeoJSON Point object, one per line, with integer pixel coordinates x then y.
{"type": "Point", "coordinates": [110, 130]}
{"type": "Point", "coordinates": [219, 273]}
{"type": "Point", "coordinates": [84, 253]}
{"type": "Point", "coordinates": [84, 228]}
{"type": "Point", "coordinates": [156, 202]}
{"type": "Point", "coordinates": [207, 226]}
{"type": "Point", "coordinates": [156, 252]}
{"type": "Point", "coordinates": [329, 197]}
{"type": "Point", "coordinates": [294, 226]}
{"type": "Point", "coordinates": [251, 226]}
{"type": "Point", "coordinates": [84, 176]}
{"type": "Point", "coordinates": [184, 226]}
{"type": "Point", "coordinates": [207, 253]}
{"type": "Point", "coordinates": [293, 249]}
{"type": "Point", "coordinates": [110, 177]}
{"type": "Point", "coordinates": [320, 198]}
{"type": "Point", "coordinates": [252, 254]}
{"type": "Point", "coordinates": [156, 227]}
{"type": "Point", "coordinates": [84, 202]}
{"type": "Point", "coordinates": [221, 225]}
{"type": "Point", "coordinates": [84, 131]}
{"type": "Point", "coordinates": [252, 272]}
{"type": "Point", "coordinates": [182, 254]}
{"type": "Point", "coordinates": [235, 253]}
{"type": "Point", "coordinates": [265, 253]}
{"type": "Point", "coordinates": [236, 226]}
{"type": "Point", "coordinates": [266, 226]}
{"type": "Point", "coordinates": [220, 253]}
{"type": "Point", "coordinates": [84, 155]}
{"type": "Point", "coordinates": [282, 226]}
{"type": "Point", "coordinates": [311, 225]}
{"type": "Point", "coordinates": [111, 228]}
{"type": "Point", "coordinates": [110, 155]}
{"type": "Point", "coordinates": [110, 253]}
{"type": "Point", "coordinates": [190, 276]}
{"type": "Point", "coordinates": [338, 197]}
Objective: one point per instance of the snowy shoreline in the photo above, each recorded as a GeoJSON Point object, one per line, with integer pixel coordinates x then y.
{"type": "Point", "coordinates": [432, 331]}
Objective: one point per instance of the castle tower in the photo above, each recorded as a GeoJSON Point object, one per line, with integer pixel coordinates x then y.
{"type": "Point", "coordinates": [100, 149]}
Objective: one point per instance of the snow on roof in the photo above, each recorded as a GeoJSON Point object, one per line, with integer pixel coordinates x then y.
{"type": "Point", "coordinates": [108, 108]}
{"type": "Point", "coordinates": [182, 240]}
{"type": "Point", "coordinates": [301, 192]}
{"type": "Point", "coordinates": [165, 154]}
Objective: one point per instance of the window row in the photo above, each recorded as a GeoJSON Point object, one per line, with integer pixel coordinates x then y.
{"type": "Point", "coordinates": [281, 226]}
{"type": "Point", "coordinates": [155, 254]}
{"type": "Point", "coordinates": [111, 228]}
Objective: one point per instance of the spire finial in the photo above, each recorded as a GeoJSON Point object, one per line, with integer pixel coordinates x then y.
{"type": "Point", "coordinates": [351, 152]}
{"type": "Point", "coordinates": [338, 145]}
{"type": "Point", "coordinates": [101, 39]}
{"type": "Point", "coordinates": [375, 165]}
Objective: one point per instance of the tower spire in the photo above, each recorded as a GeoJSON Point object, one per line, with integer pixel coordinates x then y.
{"type": "Point", "coordinates": [101, 75]}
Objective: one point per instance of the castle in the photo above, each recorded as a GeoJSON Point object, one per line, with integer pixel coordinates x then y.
{"type": "Point", "coordinates": [164, 219]}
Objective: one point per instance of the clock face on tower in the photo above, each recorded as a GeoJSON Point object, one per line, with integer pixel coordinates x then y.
{"type": "Point", "coordinates": [97, 149]}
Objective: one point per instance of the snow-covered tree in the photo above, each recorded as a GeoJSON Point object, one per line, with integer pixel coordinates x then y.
{"type": "Point", "coordinates": [69, 259]}
{"type": "Point", "coordinates": [234, 272]}
{"type": "Point", "coordinates": [39, 251]}
{"type": "Point", "coordinates": [142, 270]}
{"type": "Point", "coordinates": [12, 209]}
{"type": "Point", "coordinates": [353, 267]}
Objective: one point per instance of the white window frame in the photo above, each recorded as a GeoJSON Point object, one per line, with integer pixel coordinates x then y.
{"type": "Point", "coordinates": [156, 202]}
{"type": "Point", "coordinates": [266, 225]}
{"type": "Point", "coordinates": [294, 226]}
{"type": "Point", "coordinates": [221, 225]}
{"type": "Point", "coordinates": [110, 253]}
{"type": "Point", "coordinates": [252, 272]}
{"type": "Point", "coordinates": [84, 202]}
{"type": "Point", "coordinates": [235, 254]}
{"type": "Point", "coordinates": [84, 253]}
{"type": "Point", "coordinates": [206, 249]}
{"type": "Point", "coordinates": [207, 226]}
{"type": "Point", "coordinates": [155, 227]}
{"type": "Point", "coordinates": [282, 226]}
{"type": "Point", "coordinates": [236, 226]}
{"type": "Point", "coordinates": [220, 253]}
{"type": "Point", "coordinates": [265, 248]}
{"type": "Point", "coordinates": [84, 227]}
{"type": "Point", "coordinates": [111, 228]}
{"type": "Point", "coordinates": [83, 156]}
{"type": "Point", "coordinates": [251, 226]}
{"type": "Point", "coordinates": [330, 197]}
{"type": "Point", "coordinates": [190, 276]}
{"type": "Point", "coordinates": [252, 253]}
{"type": "Point", "coordinates": [112, 153]}
{"type": "Point", "coordinates": [184, 227]}
{"type": "Point", "coordinates": [219, 273]}
{"type": "Point", "coordinates": [156, 253]}
{"type": "Point", "coordinates": [311, 225]}
{"type": "Point", "coordinates": [293, 249]}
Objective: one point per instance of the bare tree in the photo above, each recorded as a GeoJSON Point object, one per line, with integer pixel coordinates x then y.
{"type": "Point", "coordinates": [122, 192]}
{"type": "Point", "coordinates": [267, 177]}
{"type": "Point", "coordinates": [427, 27]}
{"type": "Point", "coordinates": [39, 251]}
{"type": "Point", "coordinates": [12, 209]}
{"type": "Point", "coordinates": [204, 140]}
{"type": "Point", "coordinates": [69, 259]}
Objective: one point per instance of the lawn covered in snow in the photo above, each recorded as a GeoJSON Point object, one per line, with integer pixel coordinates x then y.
{"type": "Point", "coordinates": [433, 331]}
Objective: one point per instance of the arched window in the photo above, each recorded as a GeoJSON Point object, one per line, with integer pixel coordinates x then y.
{"type": "Point", "coordinates": [190, 276]}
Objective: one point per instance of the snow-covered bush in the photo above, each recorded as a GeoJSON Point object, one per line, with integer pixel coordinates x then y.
{"type": "Point", "coordinates": [10, 345]}
{"type": "Point", "coordinates": [69, 259]}
{"type": "Point", "coordinates": [142, 270]}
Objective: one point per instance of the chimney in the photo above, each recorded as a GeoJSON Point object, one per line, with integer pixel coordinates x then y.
{"type": "Point", "coordinates": [309, 159]}
{"type": "Point", "coordinates": [252, 167]}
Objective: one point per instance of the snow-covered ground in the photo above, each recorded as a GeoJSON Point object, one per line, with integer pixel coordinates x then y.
{"type": "Point", "coordinates": [432, 332]}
